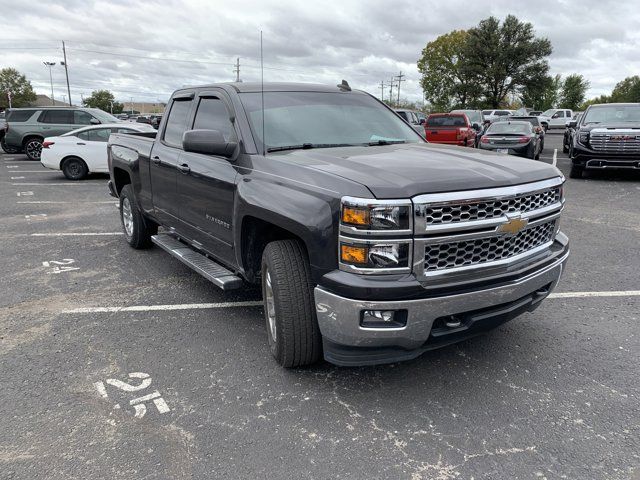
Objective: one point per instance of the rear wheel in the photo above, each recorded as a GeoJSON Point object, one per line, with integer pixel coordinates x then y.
{"type": "Point", "coordinates": [74, 168]}
{"type": "Point", "coordinates": [33, 148]}
{"type": "Point", "coordinates": [137, 230]}
{"type": "Point", "coordinates": [289, 307]}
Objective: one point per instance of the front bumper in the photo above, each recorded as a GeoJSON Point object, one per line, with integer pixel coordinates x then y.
{"type": "Point", "coordinates": [592, 159]}
{"type": "Point", "coordinates": [347, 343]}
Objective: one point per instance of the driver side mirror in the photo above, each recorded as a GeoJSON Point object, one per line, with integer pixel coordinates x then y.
{"type": "Point", "coordinates": [422, 121]}
{"type": "Point", "coordinates": [94, 121]}
{"type": "Point", "coordinates": [572, 124]}
{"type": "Point", "coordinates": [476, 126]}
{"type": "Point", "coordinates": [209, 142]}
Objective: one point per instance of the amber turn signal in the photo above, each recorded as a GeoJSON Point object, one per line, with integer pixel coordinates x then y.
{"type": "Point", "coordinates": [355, 216]}
{"type": "Point", "coordinates": [354, 255]}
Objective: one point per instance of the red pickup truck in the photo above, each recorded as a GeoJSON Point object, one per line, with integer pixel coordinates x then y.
{"type": "Point", "coordinates": [450, 128]}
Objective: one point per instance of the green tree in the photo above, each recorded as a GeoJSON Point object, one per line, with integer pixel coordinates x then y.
{"type": "Point", "coordinates": [22, 94]}
{"type": "Point", "coordinates": [104, 100]}
{"type": "Point", "coordinates": [628, 90]}
{"type": "Point", "coordinates": [574, 90]}
{"type": "Point", "coordinates": [505, 58]}
{"type": "Point", "coordinates": [542, 95]}
{"type": "Point", "coordinates": [594, 101]}
{"type": "Point", "coordinates": [445, 79]}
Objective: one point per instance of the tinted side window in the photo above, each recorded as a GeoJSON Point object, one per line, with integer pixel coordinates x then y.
{"type": "Point", "coordinates": [212, 115]}
{"type": "Point", "coordinates": [97, 135]}
{"type": "Point", "coordinates": [177, 122]}
{"type": "Point", "coordinates": [403, 115]}
{"type": "Point", "coordinates": [60, 117]}
{"type": "Point", "coordinates": [19, 115]}
{"type": "Point", "coordinates": [82, 118]}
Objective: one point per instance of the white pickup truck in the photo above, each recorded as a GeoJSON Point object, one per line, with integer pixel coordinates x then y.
{"type": "Point", "coordinates": [555, 118]}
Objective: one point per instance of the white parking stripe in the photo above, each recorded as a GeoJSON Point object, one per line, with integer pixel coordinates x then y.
{"type": "Point", "coordinates": [153, 308]}
{"type": "Point", "coordinates": [201, 306]}
{"type": "Point", "coordinates": [55, 184]}
{"type": "Point", "coordinates": [75, 234]}
{"type": "Point", "coordinates": [107, 201]}
{"type": "Point", "coordinates": [623, 293]}
{"type": "Point", "coordinates": [37, 171]}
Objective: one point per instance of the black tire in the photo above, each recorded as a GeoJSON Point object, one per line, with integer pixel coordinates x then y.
{"type": "Point", "coordinates": [289, 307]}
{"type": "Point", "coordinates": [8, 149]}
{"type": "Point", "coordinates": [545, 126]}
{"type": "Point", "coordinates": [576, 171]}
{"type": "Point", "coordinates": [537, 155]}
{"type": "Point", "coordinates": [137, 230]}
{"type": "Point", "coordinates": [531, 152]}
{"type": "Point", "coordinates": [565, 148]}
{"type": "Point", "coordinates": [33, 148]}
{"type": "Point", "coordinates": [74, 168]}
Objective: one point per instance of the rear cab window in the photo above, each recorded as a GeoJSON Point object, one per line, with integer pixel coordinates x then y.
{"type": "Point", "coordinates": [449, 121]}
{"type": "Point", "coordinates": [177, 122]}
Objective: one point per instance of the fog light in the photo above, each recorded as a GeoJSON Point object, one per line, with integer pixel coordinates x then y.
{"type": "Point", "coordinates": [383, 318]}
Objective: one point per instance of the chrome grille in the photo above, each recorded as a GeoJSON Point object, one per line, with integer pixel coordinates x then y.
{"type": "Point", "coordinates": [480, 250]}
{"type": "Point", "coordinates": [490, 208]}
{"type": "Point", "coordinates": [616, 143]}
{"type": "Point", "coordinates": [460, 234]}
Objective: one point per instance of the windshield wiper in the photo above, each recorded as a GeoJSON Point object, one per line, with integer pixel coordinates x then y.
{"type": "Point", "coordinates": [307, 146]}
{"type": "Point", "coordinates": [386, 142]}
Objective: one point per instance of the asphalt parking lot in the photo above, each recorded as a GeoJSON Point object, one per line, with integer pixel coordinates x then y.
{"type": "Point", "coordinates": [125, 364]}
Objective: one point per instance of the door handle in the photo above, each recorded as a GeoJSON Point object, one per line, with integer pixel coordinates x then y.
{"type": "Point", "coordinates": [80, 143]}
{"type": "Point", "coordinates": [156, 160]}
{"type": "Point", "coordinates": [184, 168]}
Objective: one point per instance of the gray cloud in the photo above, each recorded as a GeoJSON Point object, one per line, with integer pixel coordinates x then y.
{"type": "Point", "coordinates": [364, 42]}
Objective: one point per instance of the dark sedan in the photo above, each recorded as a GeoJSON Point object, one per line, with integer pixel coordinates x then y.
{"type": "Point", "coordinates": [514, 138]}
{"type": "Point", "coordinates": [537, 126]}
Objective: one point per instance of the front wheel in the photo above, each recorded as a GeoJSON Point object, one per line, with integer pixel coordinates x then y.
{"type": "Point", "coordinates": [136, 230]}
{"type": "Point", "coordinates": [289, 307]}
{"type": "Point", "coordinates": [576, 171]}
{"type": "Point", "coordinates": [74, 168]}
{"type": "Point", "coordinates": [33, 148]}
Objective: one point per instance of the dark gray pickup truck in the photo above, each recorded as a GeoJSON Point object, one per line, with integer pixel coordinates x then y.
{"type": "Point", "coordinates": [370, 244]}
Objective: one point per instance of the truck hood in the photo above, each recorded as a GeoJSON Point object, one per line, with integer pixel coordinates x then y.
{"type": "Point", "coordinates": [406, 170]}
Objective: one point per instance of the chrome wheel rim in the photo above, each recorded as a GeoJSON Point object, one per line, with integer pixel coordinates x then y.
{"type": "Point", "coordinates": [127, 216]}
{"type": "Point", "coordinates": [74, 169]}
{"type": "Point", "coordinates": [34, 148]}
{"type": "Point", "coordinates": [271, 306]}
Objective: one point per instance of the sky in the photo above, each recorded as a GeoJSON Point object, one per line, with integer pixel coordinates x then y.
{"type": "Point", "coordinates": [146, 50]}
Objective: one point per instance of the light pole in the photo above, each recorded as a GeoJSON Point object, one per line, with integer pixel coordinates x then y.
{"type": "Point", "coordinates": [50, 64]}
{"type": "Point", "coordinates": [131, 105]}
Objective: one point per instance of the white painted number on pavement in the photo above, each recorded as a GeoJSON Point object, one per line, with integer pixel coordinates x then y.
{"type": "Point", "coordinates": [60, 266]}
{"type": "Point", "coordinates": [24, 194]}
{"type": "Point", "coordinates": [138, 404]}
{"type": "Point", "coordinates": [36, 216]}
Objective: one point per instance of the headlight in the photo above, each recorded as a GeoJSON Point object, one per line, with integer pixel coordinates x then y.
{"type": "Point", "coordinates": [393, 256]}
{"type": "Point", "coordinates": [584, 137]}
{"type": "Point", "coordinates": [358, 215]}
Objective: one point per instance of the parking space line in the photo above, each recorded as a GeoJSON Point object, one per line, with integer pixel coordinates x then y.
{"type": "Point", "coordinates": [152, 308]}
{"type": "Point", "coordinates": [36, 171]}
{"type": "Point", "coordinates": [555, 157]}
{"type": "Point", "coordinates": [621, 293]}
{"type": "Point", "coordinates": [65, 184]}
{"type": "Point", "coordinates": [84, 203]}
{"type": "Point", "coordinates": [256, 303]}
{"type": "Point", "coordinates": [75, 234]}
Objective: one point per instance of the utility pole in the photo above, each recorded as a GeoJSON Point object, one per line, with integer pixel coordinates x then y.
{"type": "Point", "coordinates": [391, 85]}
{"type": "Point", "coordinates": [82, 98]}
{"type": "Point", "coordinates": [50, 64]}
{"type": "Point", "coordinates": [131, 105]}
{"type": "Point", "coordinates": [64, 99]}
{"type": "Point", "coordinates": [399, 77]}
{"type": "Point", "coordinates": [382, 91]}
{"type": "Point", "coordinates": [9, 97]}
{"type": "Point", "coordinates": [237, 70]}
{"type": "Point", "coordinates": [66, 70]}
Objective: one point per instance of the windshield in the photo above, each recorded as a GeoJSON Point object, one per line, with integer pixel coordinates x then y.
{"type": "Point", "coordinates": [612, 114]}
{"type": "Point", "coordinates": [103, 116]}
{"type": "Point", "coordinates": [549, 113]}
{"type": "Point", "coordinates": [532, 120]}
{"type": "Point", "coordinates": [317, 119]}
{"type": "Point", "coordinates": [507, 128]}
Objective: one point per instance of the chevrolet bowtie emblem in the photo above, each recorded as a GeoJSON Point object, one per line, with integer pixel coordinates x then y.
{"type": "Point", "coordinates": [514, 225]}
